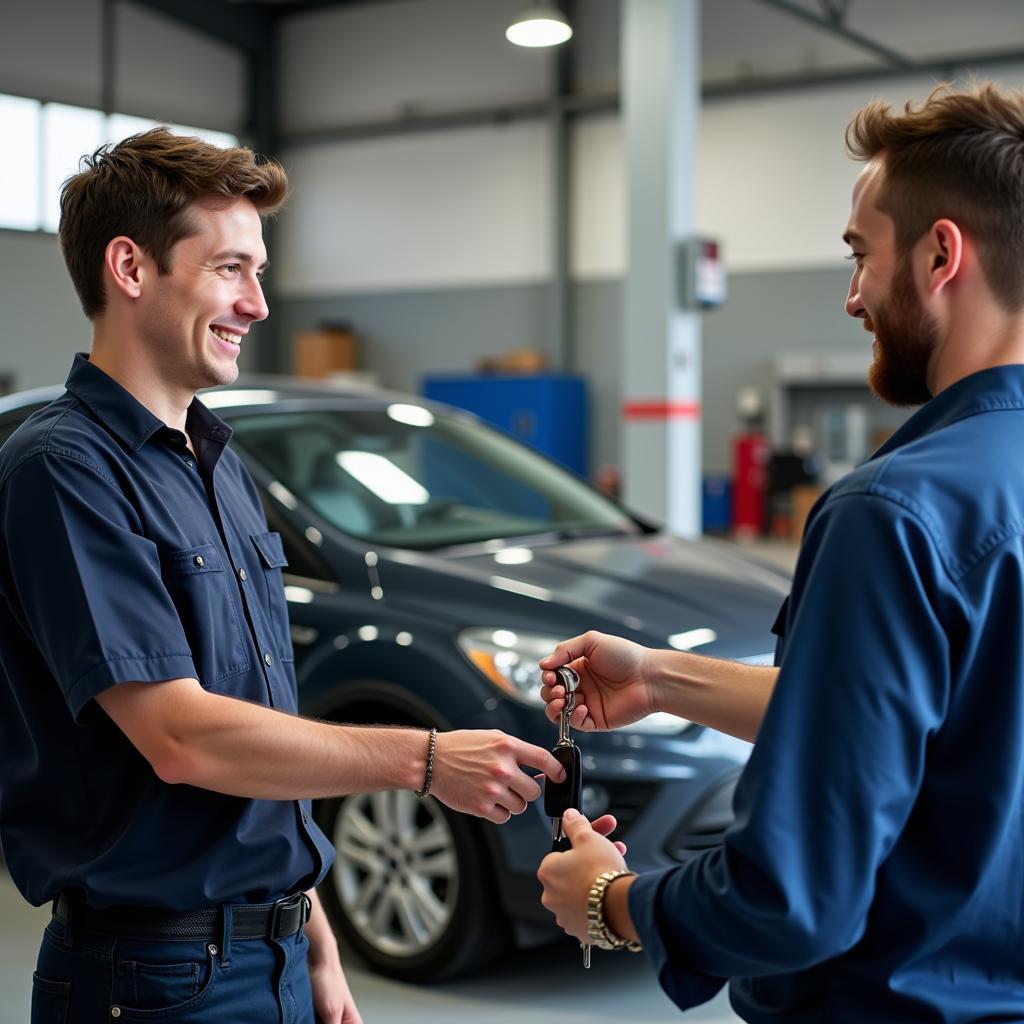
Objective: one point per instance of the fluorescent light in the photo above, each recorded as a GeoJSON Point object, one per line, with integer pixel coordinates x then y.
{"type": "Point", "coordinates": [383, 478]}
{"type": "Point", "coordinates": [692, 638]}
{"type": "Point", "coordinates": [413, 415]}
{"type": "Point", "coordinates": [540, 25]}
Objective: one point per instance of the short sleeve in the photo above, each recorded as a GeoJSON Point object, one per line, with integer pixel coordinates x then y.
{"type": "Point", "coordinates": [85, 582]}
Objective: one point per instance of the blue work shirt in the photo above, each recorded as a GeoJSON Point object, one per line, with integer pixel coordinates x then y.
{"type": "Point", "coordinates": [875, 871]}
{"type": "Point", "coordinates": [124, 558]}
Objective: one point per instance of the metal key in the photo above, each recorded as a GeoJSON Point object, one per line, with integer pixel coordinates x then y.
{"type": "Point", "coordinates": [560, 796]}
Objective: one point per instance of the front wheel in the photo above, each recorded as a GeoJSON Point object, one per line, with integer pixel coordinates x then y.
{"type": "Point", "coordinates": [410, 888]}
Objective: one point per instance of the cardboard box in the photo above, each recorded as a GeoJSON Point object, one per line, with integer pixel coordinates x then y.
{"type": "Point", "coordinates": [515, 360]}
{"type": "Point", "coordinates": [802, 498]}
{"type": "Point", "coordinates": [326, 350]}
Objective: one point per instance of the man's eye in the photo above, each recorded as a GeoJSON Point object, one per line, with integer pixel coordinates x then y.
{"type": "Point", "coordinates": [855, 256]}
{"type": "Point", "coordinates": [231, 268]}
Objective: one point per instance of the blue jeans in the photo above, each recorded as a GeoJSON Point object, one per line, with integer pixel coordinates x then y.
{"type": "Point", "coordinates": [85, 978]}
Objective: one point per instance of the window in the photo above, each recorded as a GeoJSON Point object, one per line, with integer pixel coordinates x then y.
{"type": "Point", "coordinates": [52, 139]}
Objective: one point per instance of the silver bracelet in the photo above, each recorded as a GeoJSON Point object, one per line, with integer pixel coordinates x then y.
{"type": "Point", "coordinates": [428, 775]}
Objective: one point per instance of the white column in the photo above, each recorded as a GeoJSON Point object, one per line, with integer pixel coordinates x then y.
{"type": "Point", "coordinates": [661, 422]}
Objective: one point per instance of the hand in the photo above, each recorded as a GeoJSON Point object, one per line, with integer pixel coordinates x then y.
{"type": "Point", "coordinates": [478, 771]}
{"type": "Point", "coordinates": [615, 688]}
{"type": "Point", "coordinates": [567, 877]}
{"type": "Point", "coordinates": [332, 998]}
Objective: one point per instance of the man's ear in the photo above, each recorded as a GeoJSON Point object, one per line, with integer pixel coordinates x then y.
{"type": "Point", "coordinates": [943, 247]}
{"type": "Point", "coordinates": [126, 267]}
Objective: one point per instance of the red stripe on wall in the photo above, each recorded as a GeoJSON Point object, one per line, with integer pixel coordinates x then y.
{"type": "Point", "coordinates": [655, 410]}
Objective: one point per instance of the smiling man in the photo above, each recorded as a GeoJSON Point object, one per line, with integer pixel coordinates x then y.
{"type": "Point", "coordinates": [874, 871]}
{"type": "Point", "coordinates": [156, 781]}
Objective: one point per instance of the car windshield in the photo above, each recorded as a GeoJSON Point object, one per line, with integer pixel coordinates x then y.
{"type": "Point", "coordinates": [408, 476]}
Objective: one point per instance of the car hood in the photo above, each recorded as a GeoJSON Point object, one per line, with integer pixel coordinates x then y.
{"type": "Point", "coordinates": [652, 588]}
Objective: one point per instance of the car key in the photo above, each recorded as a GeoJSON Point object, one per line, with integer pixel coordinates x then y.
{"type": "Point", "coordinates": [560, 796]}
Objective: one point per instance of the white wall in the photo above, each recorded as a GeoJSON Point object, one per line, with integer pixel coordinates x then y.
{"type": "Point", "coordinates": [419, 211]}
{"type": "Point", "coordinates": [473, 206]}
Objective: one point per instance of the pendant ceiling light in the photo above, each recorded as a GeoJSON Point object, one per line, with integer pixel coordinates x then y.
{"type": "Point", "coordinates": [540, 25]}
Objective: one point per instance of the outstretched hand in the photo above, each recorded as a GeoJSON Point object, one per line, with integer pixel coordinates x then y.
{"type": "Point", "coordinates": [478, 771]}
{"type": "Point", "coordinates": [614, 686]}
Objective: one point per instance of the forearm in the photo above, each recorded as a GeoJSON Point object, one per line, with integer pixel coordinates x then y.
{"type": "Point", "coordinates": [724, 695]}
{"type": "Point", "coordinates": [231, 746]}
{"type": "Point", "coordinates": [323, 947]}
{"type": "Point", "coordinates": [251, 751]}
{"type": "Point", "coordinates": [616, 908]}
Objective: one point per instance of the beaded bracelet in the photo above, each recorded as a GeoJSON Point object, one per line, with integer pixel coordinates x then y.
{"type": "Point", "coordinates": [429, 773]}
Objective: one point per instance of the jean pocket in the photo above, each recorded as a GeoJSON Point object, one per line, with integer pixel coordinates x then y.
{"type": "Point", "coordinates": [156, 986]}
{"type": "Point", "coordinates": [163, 987]}
{"type": "Point", "coordinates": [50, 1000]}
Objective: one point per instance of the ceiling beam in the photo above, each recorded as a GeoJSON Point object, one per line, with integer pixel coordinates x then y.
{"type": "Point", "coordinates": [835, 26]}
{"type": "Point", "coordinates": [940, 68]}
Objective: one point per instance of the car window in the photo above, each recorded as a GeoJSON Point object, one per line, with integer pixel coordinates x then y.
{"type": "Point", "coordinates": [421, 479]}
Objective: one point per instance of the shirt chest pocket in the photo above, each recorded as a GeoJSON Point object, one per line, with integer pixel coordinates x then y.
{"type": "Point", "coordinates": [204, 595]}
{"type": "Point", "coordinates": [272, 561]}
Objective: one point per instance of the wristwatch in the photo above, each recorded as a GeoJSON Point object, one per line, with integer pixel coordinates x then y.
{"type": "Point", "coordinates": [598, 932]}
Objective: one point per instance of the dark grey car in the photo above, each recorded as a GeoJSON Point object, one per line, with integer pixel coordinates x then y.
{"type": "Point", "coordinates": [432, 561]}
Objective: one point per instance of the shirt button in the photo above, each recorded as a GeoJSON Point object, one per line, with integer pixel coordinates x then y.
{"type": "Point", "coordinates": [200, 561]}
{"type": "Point", "coordinates": [268, 659]}
{"type": "Point", "coordinates": [115, 1011]}
{"type": "Point", "coordinates": [243, 575]}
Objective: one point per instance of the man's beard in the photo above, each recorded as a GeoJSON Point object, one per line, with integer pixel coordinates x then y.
{"type": "Point", "coordinates": [906, 338]}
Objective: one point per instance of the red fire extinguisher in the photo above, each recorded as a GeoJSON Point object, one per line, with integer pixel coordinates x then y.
{"type": "Point", "coordinates": [750, 454]}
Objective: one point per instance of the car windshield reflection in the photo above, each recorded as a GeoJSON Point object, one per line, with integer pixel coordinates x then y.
{"type": "Point", "coordinates": [412, 477]}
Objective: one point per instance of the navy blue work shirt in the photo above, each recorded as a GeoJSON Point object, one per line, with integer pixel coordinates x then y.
{"type": "Point", "coordinates": [124, 558]}
{"type": "Point", "coordinates": [876, 868]}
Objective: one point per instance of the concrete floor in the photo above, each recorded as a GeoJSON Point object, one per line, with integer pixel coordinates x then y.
{"type": "Point", "coordinates": [537, 987]}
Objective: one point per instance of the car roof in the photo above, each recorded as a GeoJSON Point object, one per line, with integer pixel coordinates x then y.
{"type": "Point", "coordinates": [260, 391]}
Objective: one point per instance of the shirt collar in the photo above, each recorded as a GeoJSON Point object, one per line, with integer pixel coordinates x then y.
{"type": "Point", "coordinates": [125, 416]}
{"type": "Point", "coordinates": [998, 387]}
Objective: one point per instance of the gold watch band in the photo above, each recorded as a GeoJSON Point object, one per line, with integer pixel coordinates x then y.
{"type": "Point", "coordinates": [598, 932]}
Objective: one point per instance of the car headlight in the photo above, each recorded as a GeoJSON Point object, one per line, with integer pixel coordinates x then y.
{"type": "Point", "coordinates": [509, 659]}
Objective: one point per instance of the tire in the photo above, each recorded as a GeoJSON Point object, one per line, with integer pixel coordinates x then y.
{"type": "Point", "coordinates": [410, 890]}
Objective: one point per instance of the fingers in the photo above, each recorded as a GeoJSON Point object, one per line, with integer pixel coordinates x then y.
{"type": "Point", "coordinates": [604, 825]}
{"type": "Point", "coordinates": [566, 651]}
{"type": "Point", "coordinates": [538, 757]}
{"type": "Point", "coordinates": [576, 827]}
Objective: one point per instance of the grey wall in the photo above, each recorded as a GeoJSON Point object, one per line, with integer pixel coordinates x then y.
{"type": "Point", "coordinates": [41, 322]}
{"type": "Point", "coordinates": [406, 335]}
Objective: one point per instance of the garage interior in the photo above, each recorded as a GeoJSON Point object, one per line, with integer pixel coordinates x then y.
{"type": "Point", "coordinates": [462, 207]}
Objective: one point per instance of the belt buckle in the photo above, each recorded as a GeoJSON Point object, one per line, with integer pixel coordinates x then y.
{"type": "Point", "coordinates": [297, 901]}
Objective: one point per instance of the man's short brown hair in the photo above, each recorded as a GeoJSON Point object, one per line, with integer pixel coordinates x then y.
{"type": "Point", "coordinates": [959, 155]}
{"type": "Point", "coordinates": [143, 188]}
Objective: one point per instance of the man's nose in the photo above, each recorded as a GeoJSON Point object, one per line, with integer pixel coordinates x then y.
{"type": "Point", "coordinates": [854, 307]}
{"type": "Point", "coordinates": [252, 303]}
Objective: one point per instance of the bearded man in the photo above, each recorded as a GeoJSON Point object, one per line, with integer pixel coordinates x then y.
{"type": "Point", "coordinates": [875, 870]}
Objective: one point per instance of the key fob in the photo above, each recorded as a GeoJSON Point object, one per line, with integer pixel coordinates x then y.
{"type": "Point", "coordinates": [560, 796]}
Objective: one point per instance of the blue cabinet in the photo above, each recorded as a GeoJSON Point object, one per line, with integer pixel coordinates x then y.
{"type": "Point", "coordinates": [547, 411]}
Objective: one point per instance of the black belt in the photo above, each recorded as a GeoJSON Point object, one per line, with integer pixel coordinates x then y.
{"type": "Point", "coordinates": [248, 920]}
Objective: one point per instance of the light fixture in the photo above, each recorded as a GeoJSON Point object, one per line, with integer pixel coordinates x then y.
{"type": "Point", "coordinates": [540, 25]}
